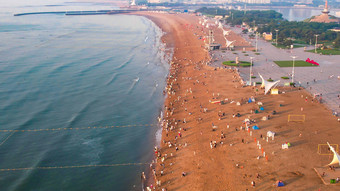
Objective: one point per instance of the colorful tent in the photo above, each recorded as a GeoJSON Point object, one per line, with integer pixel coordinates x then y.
{"type": "Point", "coordinates": [255, 127]}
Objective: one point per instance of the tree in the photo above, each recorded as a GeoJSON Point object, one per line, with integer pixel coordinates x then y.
{"type": "Point", "coordinates": [337, 42]}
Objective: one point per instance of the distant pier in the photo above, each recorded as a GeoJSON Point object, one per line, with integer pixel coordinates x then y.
{"type": "Point", "coordinates": [70, 13]}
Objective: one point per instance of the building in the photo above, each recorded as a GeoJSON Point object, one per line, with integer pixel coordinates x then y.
{"type": "Point", "coordinates": [325, 17]}
{"type": "Point", "coordinates": [336, 29]}
{"type": "Point", "coordinates": [267, 36]}
{"type": "Point", "coordinates": [255, 1]}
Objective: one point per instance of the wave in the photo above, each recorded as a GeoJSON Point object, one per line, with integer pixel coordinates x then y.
{"type": "Point", "coordinates": [135, 81]}
{"type": "Point", "coordinates": [90, 68]}
{"type": "Point", "coordinates": [22, 179]}
{"type": "Point", "coordinates": [79, 115]}
{"type": "Point", "coordinates": [112, 79]}
{"type": "Point", "coordinates": [36, 116]}
{"type": "Point", "coordinates": [154, 90]}
{"type": "Point", "coordinates": [125, 63]}
{"type": "Point", "coordinates": [59, 69]}
{"type": "Point", "coordinates": [56, 37]}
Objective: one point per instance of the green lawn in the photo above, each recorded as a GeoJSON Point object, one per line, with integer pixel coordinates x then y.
{"type": "Point", "coordinates": [286, 47]}
{"type": "Point", "coordinates": [289, 63]}
{"type": "Point", "coordinates": [326, 52]}
{"type": "Point", "coordinates": [299, 42]}
{"type": "Point", "coordinates": [232, 63]}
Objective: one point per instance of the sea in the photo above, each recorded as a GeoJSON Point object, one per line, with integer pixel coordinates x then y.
{"type": "Point", "coordinates": [300, 13]}
{"type": "Point", "coordinates": [80, 97]}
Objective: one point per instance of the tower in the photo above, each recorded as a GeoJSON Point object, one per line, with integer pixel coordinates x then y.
{"type": "Point", "coordinates": [325, 10]}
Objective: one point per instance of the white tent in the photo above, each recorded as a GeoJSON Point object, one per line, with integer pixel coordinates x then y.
{"type": "Point", "coordinates": [220, 25]}
{"type": "Point", "coordinates": [268, 85]}
{"type": "Point", "coordinates": [270, 134]}
{"type": "Point", "coordinates": [229, 43]}
{"type": "Point", "coordinates": [225, 33]}
{"type": "Point", "coordinates": [336, 157]}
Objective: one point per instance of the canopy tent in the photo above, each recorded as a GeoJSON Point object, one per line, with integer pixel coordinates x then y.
{"type": "Point", "coordinates": [255, 127]}
{"type": "Point", "coordinates": [228, 43]}
{"type": "Point", "coordinates": [279, 183]}
{"type": "Point", "coordinates": [336, 157]}
{"type": "Point", "coordinates": [225, 33]}
{"type": "Point", "coordinates": [268, 85]}
{"type": "Point", "coordinates": [270, 134]}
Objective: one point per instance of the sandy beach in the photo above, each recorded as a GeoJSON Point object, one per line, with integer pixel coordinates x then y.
{"type": "Point", "coordinates": [206, 146]}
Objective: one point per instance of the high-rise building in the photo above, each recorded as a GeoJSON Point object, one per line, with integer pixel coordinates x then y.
{"type": "Point", "coordinates": [254, 1]}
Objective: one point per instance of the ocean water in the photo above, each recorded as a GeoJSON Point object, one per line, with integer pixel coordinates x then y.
{"type": "Point", "coordinates": [61, 71]}
{"type": "Point", "coordinates": [299, 14]}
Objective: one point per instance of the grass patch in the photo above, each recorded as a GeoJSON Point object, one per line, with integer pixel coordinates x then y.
{"type": "Point", "coordinates": [258, 82]}
{"type": "Point", "coordinates": [287, 47]}
{"type": "Point", "coordinates": [223, 51]}
{"type": "Point", "coordinates": [285, 77]}
{"type": "Point", "coordinates": [253, 77]}
{"type": "Point", "coordinates": [243, 51]}
{"type": "Point", "coordinates": [299, 42]}
{"type": "Point", "coordinates": [257, 53]}
{"type": "Point", "coordinates": [326, 51]}
{"type": "Point", "coordinates": [246, 54]}
{"type": "Point", "coordinates": [234, 52]}
{"type": "Point", "coordinates": [280, 46]}
{"type": "Point", "coordinates": [289, 63]}
{"type": "Point", "coordinates": [270, 80]}
{"type": "Point", "coordinates": [233, 63]}
{"type": "Point", "coordinates": [298, 46]}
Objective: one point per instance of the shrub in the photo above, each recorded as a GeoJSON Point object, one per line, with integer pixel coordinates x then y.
{"type": "Point", "coordinates": [285, 77]}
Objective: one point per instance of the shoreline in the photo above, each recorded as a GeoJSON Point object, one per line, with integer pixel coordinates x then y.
{"type": "Point", "coordinates": [233, 160]}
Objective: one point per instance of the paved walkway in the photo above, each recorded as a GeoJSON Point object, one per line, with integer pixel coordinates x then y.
{"type": "Point", "coordinates": [326, 75]}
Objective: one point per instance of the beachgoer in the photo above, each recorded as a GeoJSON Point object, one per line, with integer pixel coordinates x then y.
{"type": "Point", "coordinates": [253, 183]}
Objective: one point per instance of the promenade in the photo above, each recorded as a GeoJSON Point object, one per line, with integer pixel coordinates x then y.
{"type": "Point", "coordinates": [325, 76]}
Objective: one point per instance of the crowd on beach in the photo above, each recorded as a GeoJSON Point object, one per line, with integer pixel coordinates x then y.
{"type": "Point", "coordinates": [186, 76]}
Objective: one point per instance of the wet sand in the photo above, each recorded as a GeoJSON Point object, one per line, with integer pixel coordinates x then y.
{"type": "Point", "coordinates": [189, 117]}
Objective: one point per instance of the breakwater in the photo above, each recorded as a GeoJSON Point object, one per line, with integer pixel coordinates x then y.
{"type": "Point", "coordinates": [98, 12]}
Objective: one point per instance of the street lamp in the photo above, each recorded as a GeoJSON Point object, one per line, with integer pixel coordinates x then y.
{"type": "Point", "coordinates": [276, 35]}
{"type": "Point", "coordinates": [316, 41]}
{"type": "Point", "coordinates": [293, 67]}
{"type": "Point", "coordinates": [251, 69]}
{"type": "Point", "coordinates": [256, 41]}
